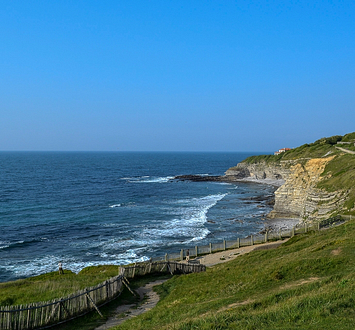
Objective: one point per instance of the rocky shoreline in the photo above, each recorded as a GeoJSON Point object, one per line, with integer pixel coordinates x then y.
{"type": "Point", "coordinates": [270, 224]}
{"type": "Point", "coordinates": [228, 179]}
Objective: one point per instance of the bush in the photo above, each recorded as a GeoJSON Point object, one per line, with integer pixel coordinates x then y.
{"type": "Point", "coordinates": [330, 140]}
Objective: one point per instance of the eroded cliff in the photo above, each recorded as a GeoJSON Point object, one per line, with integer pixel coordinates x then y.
{"type": "Point", "coordinates": [298, 195]}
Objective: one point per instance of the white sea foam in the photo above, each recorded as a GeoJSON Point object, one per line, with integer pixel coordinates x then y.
{"type": "Point", "coordinates": [115, 205]}
{"type": "Point", "coordinates": [114, 224]}
{"type": "Point", "coordinates": [189, 220]}
{"type": "Point", "coordinates": [49, 263]}
{"type": "Point", "coordinates": [149, 179]}
{"type": "Point", "coordinates": [159, 179]}
{"type": "Point", "coordinates": [4, 245]}
{"type": "Point", "coordinates": [127, 204]}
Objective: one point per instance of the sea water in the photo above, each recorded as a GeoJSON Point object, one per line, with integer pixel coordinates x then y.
{"type": "Point", "coordinates": [92, 208]}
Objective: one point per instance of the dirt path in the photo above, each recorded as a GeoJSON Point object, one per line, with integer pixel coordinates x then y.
{"type": "Point", "coordinates": [125, 312]}
{"type": "Point", "coordinates": [346, 150]}
{"type": "Point", "coordinates": [219, 257]}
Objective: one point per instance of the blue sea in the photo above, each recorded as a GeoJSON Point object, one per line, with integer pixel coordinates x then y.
{"type": "Point", "coordinates": [92, 208]}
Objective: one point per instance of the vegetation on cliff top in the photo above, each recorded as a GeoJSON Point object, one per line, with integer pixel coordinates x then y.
{"type": "Point", "coordinates": [339, 173]}
{"type": "Point", "coordinates": [318, 149]}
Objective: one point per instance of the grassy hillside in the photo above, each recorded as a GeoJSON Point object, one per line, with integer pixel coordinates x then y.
{"type": "Point", "coordinates": [308, 283]}
{"type": "Point", "coordinates": [313, 150]}
{"type": "Point", "coordinates": [52, 285]}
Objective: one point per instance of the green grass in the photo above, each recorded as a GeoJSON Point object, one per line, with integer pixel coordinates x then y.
{"type": "Point", "coordinates": [350, 137]}
{"type": "Point", "coordinates": [308, 283]}
{"type": "Point", "coordinates": [52, 285]}
{"type": "Point", "coordinates": [313, 150]}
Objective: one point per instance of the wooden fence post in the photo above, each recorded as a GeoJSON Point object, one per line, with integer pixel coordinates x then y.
{"type": "Point", "coordinates": [238, 242]}
{"type": "Point", "coordinates": [210, 247]}
{"type": "Point", "coordinates": [107, 289]}
{"type": "Point", "coordinates": [134, 270]}
{"type": "Point", "coordinates": [182, 255]}
{"type": "Point", "coordinates": [224, 244]}
{"type": "Point", "coordinates": [196, 250]}
{"type": "Point", "coordinates": [251, 240]}
{"type": "Point", "coordinates": [266, 236]}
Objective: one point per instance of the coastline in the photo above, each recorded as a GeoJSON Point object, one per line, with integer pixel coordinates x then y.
{"type": "Point", "coordinates": [274, 224]}
{"type": "Point", "coordinates": [272, 182]}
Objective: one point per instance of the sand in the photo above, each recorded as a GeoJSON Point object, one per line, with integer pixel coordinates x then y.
{"type": "Point", "coordinates": [220, 257]}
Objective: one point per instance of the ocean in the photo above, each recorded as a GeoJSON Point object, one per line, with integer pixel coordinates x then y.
{"type": "Point", "coordinates": [92, 208]}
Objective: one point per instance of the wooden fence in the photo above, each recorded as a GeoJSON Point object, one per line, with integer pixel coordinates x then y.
{"type": "Point", "coordinates": [254, 239]}
{"type": "Point", "coordinates": [45, 314]}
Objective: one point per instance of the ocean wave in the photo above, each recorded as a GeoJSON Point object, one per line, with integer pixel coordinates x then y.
{"type": "Point", "coordinates": [114, 224]}
{"type": "Point", "coordinates": [49, 263]}
{"type": "Point", "coordinates": [127, 204]}
{"type": "Point", "coordinates": [189, 220]}
{"type": "Point", "coordinates": [5, 245]}
{"type": "Point", "coordinates": [158, 179]}
{"type": "Point", "coordinates": [149, 179]}
{"type": "Point", "coordinates": [115, 205]}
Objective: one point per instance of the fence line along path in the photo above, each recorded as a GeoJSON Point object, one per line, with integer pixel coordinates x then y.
{"type": "Point", "coordinates": [50, 313]}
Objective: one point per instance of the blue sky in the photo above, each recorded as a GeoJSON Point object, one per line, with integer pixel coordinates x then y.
{"type": "Point", "coordinates": [175, 75]}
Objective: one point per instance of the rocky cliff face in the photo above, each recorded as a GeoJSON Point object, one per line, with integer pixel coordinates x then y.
{"type": "Point", "coordinates": [260, 171]}
{"type": "Point", "coordinates": [298, 195]}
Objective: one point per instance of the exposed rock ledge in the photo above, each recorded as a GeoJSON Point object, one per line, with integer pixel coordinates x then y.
{"type": "Point", "coordinates": [297, 195]}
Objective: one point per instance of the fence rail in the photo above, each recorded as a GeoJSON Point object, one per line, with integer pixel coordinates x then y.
{"type": "Point", "coordinates": [254, 239]}
{"type": "Point", "coordinates": [45, 314]}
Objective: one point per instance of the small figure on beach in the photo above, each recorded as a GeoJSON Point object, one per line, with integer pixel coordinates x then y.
{"type": "Point", "coordinates": [60, 268]}
{"type": "Point", "coordinates": [187, 255]}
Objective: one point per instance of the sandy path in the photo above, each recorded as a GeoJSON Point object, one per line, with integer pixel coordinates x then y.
{"type": "Point", "coordinates": [224, 256]}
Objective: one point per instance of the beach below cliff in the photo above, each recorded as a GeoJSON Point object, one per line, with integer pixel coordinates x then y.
{"type": "Point", "coordinates": [278, 224]}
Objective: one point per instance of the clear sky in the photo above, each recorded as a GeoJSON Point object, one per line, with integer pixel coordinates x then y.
{"type": "Point", "coordinates": [161, 75]}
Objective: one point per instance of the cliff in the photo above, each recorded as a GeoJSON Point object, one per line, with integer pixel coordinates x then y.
{"type": "Point", "coordinates": [315, 180]}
